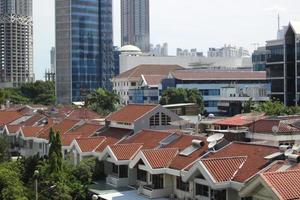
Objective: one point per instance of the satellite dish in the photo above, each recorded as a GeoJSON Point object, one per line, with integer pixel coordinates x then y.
{"type": "Point", "coordinates": [212, 144]}
{"type": "Point", "coordinates": [215, 137]}
{"type": "Point", "coordinates": [288, 152]}
{"type": "Point", "coordinates": [211, 115]}
{"type": "Point", "coordinates": [275, 129]}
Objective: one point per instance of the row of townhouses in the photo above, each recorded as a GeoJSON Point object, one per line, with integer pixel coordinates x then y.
{"type": "Point", "coordinates": [143, 156]}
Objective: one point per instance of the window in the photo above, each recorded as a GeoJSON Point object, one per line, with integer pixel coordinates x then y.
{"type": "Point", "coordinates": [133, 83]}
{"type": "Point", "coordinates": [165, 119]}
{"type": "Point", "coordinates": [202, 190]}
{"type": "Point", "coordinates": [40, 145]}
{"type": "Point", "coordinates": [154, 120]}
{"type": "Point", "coordinates": [141, 175]}
{"type": "Point", "coordinates": [30, 144]}
{"type": "Point", "coordinates": [158, 181]}
{"type": "Point", "coordinates": [180, 185]}
{"type": "Point", "coordinates": [115, 169]}
{"type": "Point", "coordinates": [123, 171]}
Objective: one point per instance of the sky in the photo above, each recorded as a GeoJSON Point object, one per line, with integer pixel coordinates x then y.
{"type": "Point", "coordinates": [183, 24]}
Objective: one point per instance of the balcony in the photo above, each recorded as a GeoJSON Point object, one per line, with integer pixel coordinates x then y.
{"type": "Point", "coordinates": [115, 181]}
{"type": "Point", "coordinates": [152, 192]}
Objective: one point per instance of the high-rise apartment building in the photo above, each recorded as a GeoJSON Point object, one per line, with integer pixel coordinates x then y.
{"type": "Point", "coordinates": [16, 42]}
{"type": "Point", "coordinates": [283, 66]}
{"type": "Point", "coordinates": [135, 26]}
{"type": "Point", "coordinates": [52, 60]}
{"type": "Point", "coordinates": [84, 48]}
{"type": "Point", "coordinates": [228, 51]}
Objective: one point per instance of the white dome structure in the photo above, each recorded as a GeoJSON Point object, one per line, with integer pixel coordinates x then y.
{"type": "Point", "coordinates": [130, 49]}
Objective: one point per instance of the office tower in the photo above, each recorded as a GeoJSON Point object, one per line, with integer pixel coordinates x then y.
{"type": "Point", "coordinates": [135, 27]}
{"type": "Point", "coordinates": [16, 42]}
{"type": "Point", "coordinates": [259, 59]}
{"type": "Point", "coordinates": [52, 60]}
{"type": "Point", "coordinates": [84, 48]}
{"type": "Point", "coordinates": [283, 66]}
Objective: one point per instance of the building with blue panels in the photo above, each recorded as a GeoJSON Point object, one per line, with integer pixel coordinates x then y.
{"type": "Point", "coordinates": [224, 92]}
{"type": "Point", "coordinates": [283, 65]}
{"type": "Point", "coordinates": [259, 59]}
{"type": "Point", "coordinates": [84, 48]}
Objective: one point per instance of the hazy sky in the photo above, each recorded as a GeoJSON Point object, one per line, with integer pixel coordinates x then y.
{"type": "Point", "coordinates": [184, 23]}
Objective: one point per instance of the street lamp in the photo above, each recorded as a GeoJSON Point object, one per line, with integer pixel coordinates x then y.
{"type": "Point", "coordinates": [36, 174]}
{"type": "Point", "coordinates": [95, 197]}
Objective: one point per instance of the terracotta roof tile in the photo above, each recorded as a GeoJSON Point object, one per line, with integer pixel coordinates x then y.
{"type": "Point", "coordinates": [225, 168]}
{"type": "Point", "coordinates": [255, 157]}
{"type": "Point", "coordinates": [149, 138]}
{"type": "Point", "coordinates": [125, 151]}
{"type": "Point", "coordinates": [218, 75]}
{"type": "Point", "coordinates": [13, 128]}
{"type": "Point", "coordinates": [239, 120]}
{"type": "Point", "coordinates": [180, 161]}
{"type": "Point", "coordinates": [89, 144]}
{"type": "Point", "coordinates": [266, 126]}
{"type": "Point", "coordinates": [136, 72]}
{"type": "Point", "coordinates": [85, 130]}
{"type": "Point", "coordinates": [34, 119]}
{"type": "Point", "coordinates": [131, 113]}
{"type": "Point", "coordinates": [285, 184]}
{"type": "Point", "coordinates": [154, 80]}
{"type": "Point", "coordinates": [7, 117]}
{"type": "Point", "coordinates": [160, 158]}
{"type": "Point", "coordinates": [84, 113]}
{"type": "Point", "coordinates": [29, 131]}
{"type": "Point", "coordinates": [67, 139]}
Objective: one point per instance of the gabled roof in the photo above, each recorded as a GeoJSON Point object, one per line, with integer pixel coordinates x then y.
{"type": "Point", "coordinates": [149, 138]}
{"type": "Point", "coordinates": [83, 113]}
{"type": "Point", "coordinates": [198, 75]}
{"type": "Point", "coordinates": [7, 117]}
{"type": "Point", "coordinates": [89, 144]}
{"type": "Point", "coordinates": [180, 162]}
{"type": "Point", "coordinates": [34, 119]}
{"type": "Point", "coordinates": [239, 120]}
{"type": "Point", "coordinates": [136, 72]}
{"type": "Point", "coordinates": [29, 131]}
{"type": "Point", "coordinates": [225, 168]}
{"type": "Point", "coordinates": [286, 185]}
{"type": "Point", "coordinates": [266, 126]}
{"type": "Point", "coordinates": [153, 80]}
{"type": "Point", "coordinates": [13, 128]}
{"type": "Point", "coordinates": [67, 139]}
{"type": "Point", "coordinates": [131, 112]}
{"type": "Point", "coordinates": [254, 163]}
{"type": "Point", "coordinates": [160, 158]}
{"type": "Point", "coordinates": [85, 130]}
{"type": "Point", "coordinates": [125, 151]}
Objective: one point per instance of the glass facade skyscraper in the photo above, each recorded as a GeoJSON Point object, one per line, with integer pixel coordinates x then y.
{"type": "Point", "coordinates": [84, 48]}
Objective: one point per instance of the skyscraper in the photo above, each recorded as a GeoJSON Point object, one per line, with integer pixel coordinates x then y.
{"type": "Point", "coordinates": [84, 48]}
{"type": "Point", "coordinates": [135, 27]}
{"type": "Point", "coordinates": [16, 42]}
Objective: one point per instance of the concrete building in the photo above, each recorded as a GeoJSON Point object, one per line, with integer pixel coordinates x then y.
{"type": "Point", "coordinates": [132, 56]}
{"type": "Point", "coordinates": [52, 59]}
{"type": "Point", "coordinates": [84, 48]}
{"type": "Point", "coordinates": [283, 66]}
{"type": "Point", "coordinates": [16, 42]}
{"type": "Point", "coordinates": [186, 52]}
{"type": "Point", "coordinates": [228, 51]}
{"type": "Point", "coordinates": [130, 83]}
{"type": "Point", "coordinates": [159, 50]}
{"type": "Point", "coordinates": [224, 92]}
{"type": "Point", "coordinates": [135, 26]}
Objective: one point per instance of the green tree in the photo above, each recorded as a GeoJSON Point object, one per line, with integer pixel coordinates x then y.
{"type": "Point", "coordinates": [55, 151]}
{"type": "Point", "coordinates": [182, 95]}
{"type": "Point", "coordinates": [273, 108]}
{"type": "Point", "coordinates": [3, 96]}
{"type": "Point", "coordinates": [4, 150]}
{"type": "Point", "coordinates": [248, 106]}
{"type": "Point", "coordinates": [102, 101]}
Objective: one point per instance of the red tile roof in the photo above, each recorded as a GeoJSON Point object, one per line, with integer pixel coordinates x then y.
{"type": "Point", "coordinates": [180, 161]}
{"type": "Point", "coordinates": [159, 158]}
{"type": "Point", "coordinates": [149, 138]}
{"type": "Point", "coordinates": [154, 80]}
{"type": "Point", "coordinates": [125, 151]}
{"type": "Point", "coordinates": [30, 131]}
{"type": "Point", "coordinates": [136, 72]}
{"type": "Point", "coordinates": [89, 144]}
{"type": "Point", "coordinates": [67, 139]}
{"type": "Point", "coordinates": [85, 130]}
{"type": "Point", "coordinates": [285, 184]}
{"type": "Point", "coordinates": [13, 128]}
{"type": "Point", "coordinates": [266, 126]}
{"type": "Point", "coordinates": [239, 120]}
{"type": "Point", "coordinates": [7, 117]}
{"type": "Point", "coordinates": [84, 113]}
{"type": "Point", "coordinates": [131, 113]}
{"type": "Point", "coordinates": [34, 119]}
{"type": "Point", "coordinates": [255, 157]}
{"type": "Point", "coordinates": [225, 168]}
{"type": "Point", "coordinates": [218, 75]}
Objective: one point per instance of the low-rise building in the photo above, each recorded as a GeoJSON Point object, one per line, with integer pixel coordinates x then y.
{"type": "Point", "coordinates": [224, 92]}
